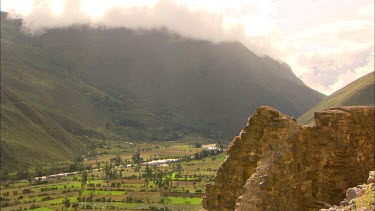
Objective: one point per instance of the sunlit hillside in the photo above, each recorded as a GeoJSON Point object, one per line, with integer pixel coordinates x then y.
{"type": "Point", "coordinates": [359, 92]}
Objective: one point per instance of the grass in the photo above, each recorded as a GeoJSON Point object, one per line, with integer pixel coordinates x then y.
{"type": "Point", "coordinates": [59, 73]}
{"type": "Point", "coordinates": [182, 200]}
{"type": "Point", "coordinates": [124, 205]}
{"type": "Point", "coordinates": [132, 193]}
{"type": "Point", "coordinates": [56, 201]}
{"type": "Point", "coordinates": [30, 131]}
{"type": "Point", "coordinates": [367, 200]}
{"type": "Point", "coordinates": [359, 92]}
{"type": "Point", "coordinates": [41, 209]}
{"type": "Point", "coordinates": [98, 181]}
{"type": "Point", "coordinates": [102, 192]}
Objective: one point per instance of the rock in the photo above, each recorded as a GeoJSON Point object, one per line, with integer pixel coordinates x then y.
{"type": "Point", "coordinates": [371, 178]}
{"type": "Point", "coordinates": [360, 190]}
{"type": "Point", "coordinates": [364, 186]}
{"type": "Point", "coordinates": [263, 185]}
{"type": "Point", "coordinates": [352, 207]}
{"type": "Point", "coordinates": [344, 203]}
{"type": "Point", "coordinates": [351, 193]}
{"type": "Point", "coordinates": [303, 164]}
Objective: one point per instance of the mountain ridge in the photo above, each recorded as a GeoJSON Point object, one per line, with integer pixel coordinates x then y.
{"type": "Point", "coordinates": [359, 92]}
{"type": "Point", "coordinates": [144, 85]}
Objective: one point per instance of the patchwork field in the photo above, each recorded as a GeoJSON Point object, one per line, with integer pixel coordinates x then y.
{"type": "Point", "coordinates": [116, 176]}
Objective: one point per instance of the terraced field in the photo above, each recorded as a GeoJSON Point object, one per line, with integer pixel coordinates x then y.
{"type": "Point", "coordinates": [167, 186]}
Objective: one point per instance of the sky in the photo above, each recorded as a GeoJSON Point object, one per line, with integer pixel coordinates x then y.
{"type": "Point", "coordinates": [327, 43]}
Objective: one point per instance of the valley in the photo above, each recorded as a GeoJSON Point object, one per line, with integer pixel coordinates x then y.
{"type": "Point", "coordinates": [110, 117]}
{"type": "Point", "coordinates": [114, 180]}
{"type": "Point", "coordinates": [123, 84]}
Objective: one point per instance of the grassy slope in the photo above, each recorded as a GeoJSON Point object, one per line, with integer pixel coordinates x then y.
{"type": "Point", "coordinates": [359, 92]}
{"type": "Point", "coordinates": [57, 105]}
{"type": "Point", "coordinates": [27, 71]}
{"type": "Point", "coordinates": [179, 85]}
{"type": "Point", "coordinates": [29, 136]}
{"type": "Point", "coordinates": [149, 85]}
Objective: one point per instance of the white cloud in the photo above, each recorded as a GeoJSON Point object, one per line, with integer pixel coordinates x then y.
{"type": "Point", "coordinates": [366, 10]}
{"type": "Point", "coordinates": [328, 57]}
{"type": "Point", "coordinates": [327, 43]}
{"type": "Point", "coordinates": [332, 72]}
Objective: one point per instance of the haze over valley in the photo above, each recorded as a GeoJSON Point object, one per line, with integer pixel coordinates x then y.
{"type": "Point", "coordinates": [134, 106]}
{"type": "Point", "coordinates": [149, 85]}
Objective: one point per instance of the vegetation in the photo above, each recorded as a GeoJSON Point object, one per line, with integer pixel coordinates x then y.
{"type": "Point", "coordinates": [153, 85]}
{"type": "Point", "coordinates": [176, 185]}
{"type": "Point", "coordinates": [367, 200]}
{"type": "Point", "coordinates": [24, 126]}
{"type": "Point", "coordinates": [359, 92]}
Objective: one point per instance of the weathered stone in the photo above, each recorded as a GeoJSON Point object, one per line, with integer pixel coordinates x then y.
{"type": "Point", "coordinates": [307, 167]}
{"type": "Point", "coordinates": [371, 178]}
{"type": "Point", "coordinates": [344, 203]}
{"type": "Point", "coordinates": [351, 194]}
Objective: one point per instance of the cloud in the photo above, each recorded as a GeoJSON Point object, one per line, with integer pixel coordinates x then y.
{"type": "Point", "coordinates": [330, 56]}
{"type": "Point", "coordinates": [328, 44]}
{"type": "Point", "coordinates": [43, 17]}
{"type": "Point", "coordinates": [333, 71]}
{"type": "Point", "coordinates": [192, 20]}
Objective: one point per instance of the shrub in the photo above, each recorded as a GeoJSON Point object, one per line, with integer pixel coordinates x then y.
{"type": "Point", "coordinates": [34, 206]}
{"type": "Point", "coordinates": [24, 191]}
{"type": "Point", "coordinates": [46, 198]}
{"type": "Point", "coordinates": [367, 199]}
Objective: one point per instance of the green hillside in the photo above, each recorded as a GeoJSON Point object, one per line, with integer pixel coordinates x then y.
{"type": "Point", "coordinates": [359, 92]}
{"type": "Point", "coordinates": [29, 136]}
{"type": "Point", "coordinates": [182, 84]}
{"type": "Point", "coordinates": [116, 83]}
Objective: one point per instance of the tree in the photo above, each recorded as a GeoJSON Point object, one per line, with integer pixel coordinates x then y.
{"type": "Point", "coordinates": [146, 182]}
{"type": "Point", "coordinates": [23, 173]}
{"type": "Point", "coordinates": [4, 174]}
{"type": "Point", "coordinates": [137, 167]}
{"type": "Point", "coordinates": [84, 178]}
{"type": "Point", "coordinates": [117, 160]}
{"type": "Point", "coordinates": [148, 171]}
{"type": "Point", "coordinates": [136, 158]}
{"type": "Point", "coordinates": [167, 182]}
{"type": "Point", "coordinates": [198, 145]}
{"type": "Point", "coordinates": [158, 179]}
{"type": "Point", "coordinates": [66, 202]}
{"type": "Point", "coordinates": [178, 168]}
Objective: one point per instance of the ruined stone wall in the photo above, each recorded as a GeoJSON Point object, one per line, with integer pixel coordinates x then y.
{"type": "Point", "coordinates": [277, 164]}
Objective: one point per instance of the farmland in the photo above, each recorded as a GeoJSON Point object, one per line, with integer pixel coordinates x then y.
{"type": "Point", "coordinates": [118, 175]}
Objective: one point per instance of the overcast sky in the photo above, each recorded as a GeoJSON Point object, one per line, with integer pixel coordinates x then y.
{"type": "Point", "coordinates": [327, 43]}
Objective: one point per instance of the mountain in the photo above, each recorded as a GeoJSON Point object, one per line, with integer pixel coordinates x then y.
{"type": "Point", "coordinates": [30, 135]}
{"type": "Point", "coordinates": [119, 83]}
{"type": "Point", "coordinates": [359, 92]}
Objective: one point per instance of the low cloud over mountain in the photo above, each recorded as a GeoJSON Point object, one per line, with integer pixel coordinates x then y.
{"type": "Point", "coordinates": [305, 34]}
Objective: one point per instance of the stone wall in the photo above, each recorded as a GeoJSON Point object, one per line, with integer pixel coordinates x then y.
{"type": "Point", "coordinates": [277, 164]}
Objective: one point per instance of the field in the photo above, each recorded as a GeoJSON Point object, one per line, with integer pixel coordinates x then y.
{"type": "Point", "coordinates": [117, 177]}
